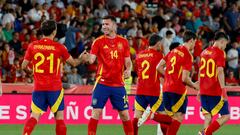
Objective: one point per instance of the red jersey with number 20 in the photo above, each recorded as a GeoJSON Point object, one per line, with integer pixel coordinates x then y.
{"type": "Point", "coordinates": [177, 60]}
{"type": "Point", "coordinates": [46, 56]}
{"type": "Point", "coordinates": [111, 54]}
{"type": "Point", "coordinates": [211, 59]}
{"type": "Point", "coordinates": [148, 77]}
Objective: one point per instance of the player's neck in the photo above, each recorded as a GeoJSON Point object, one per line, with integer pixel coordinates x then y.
{"type": "Point", "coordinates": [111, 35]}
{"type": "Point", "coordinates": [187, 46]}
{"type": "Point", "coordinates": [217, 45]}
{"type": "Point", "coordinates": [49, 37]}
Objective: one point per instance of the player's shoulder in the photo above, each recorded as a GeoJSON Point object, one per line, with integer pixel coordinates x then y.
{"type": "Point", "coordinates": [100, 38]}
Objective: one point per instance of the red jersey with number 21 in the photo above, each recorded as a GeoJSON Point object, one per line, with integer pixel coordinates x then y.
{"type": "Point", "coordinates": [111, 54]}
{"type": "Point", "coordinates": [46, 56]}
{"type": "Point", "coordinates": [177, 60]}
{"type": "Point", "coordinates": [211, 59]}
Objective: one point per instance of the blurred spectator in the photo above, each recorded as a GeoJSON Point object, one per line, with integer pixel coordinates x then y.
{"type": "Point", "coordinates": [232, 58]}
{"type": "Point", "coordinates": [35, 14]}
{"type": "Point", "coordinates": [91, 79]}
{"type": "Point", "coordinates": [131, 3]}
{"type": "Point", "coordinates": [231, 17]}
{"type": "Point", "coordinates": [100, 11]}
{"type": "Point", "coordinates": [2, 36]}
{"type": "Point", "coordinates": [74, 77]}
{"type": "Point", "coordinates": [121, 29]}
{"type": "Point", "coordinates": [133, 30]}
{"type": "Point", "coordinates": [159, 18]}
{"type": "Point", "coordinates": [8, 32]}
{"type": "Point", "coordinates": [166, 42]}
{"type": "Point", "coordinates": [179, 37]}
{"type": "Point", "coordinates": [167, 27]}
{"type": "Point", "coordinates": [15, 43]}
{"type": "Point", "coordinates": [140, 43]}
{"type": "Point", "coordinates": [9, 17]}
{"type": "Point", "coordinates": [230, 79]}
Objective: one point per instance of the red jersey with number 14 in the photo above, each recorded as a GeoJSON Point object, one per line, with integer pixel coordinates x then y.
{"type": "Point", "coordinates": [46, 56]}
{"type": "Point", "coordinates": [111, 54]}
{"type": "Point", "coordinates": [177, 60]}
{"type": "Point", "coordinates": [148, 77]}
{"type": "Point", "coordinates": [211, 59]}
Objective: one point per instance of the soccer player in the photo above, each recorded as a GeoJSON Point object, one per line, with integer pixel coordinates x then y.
{"type": "Point", "coordinates": [46, 57]}
{"type": "Point", "coordinates": [148, 85]}
{"type": "Point", "coordinates": [176, 76]}
{"type": "Point", "coordinates": [113, 55]}
{"type": "Point", "coordinates": [212, 85]}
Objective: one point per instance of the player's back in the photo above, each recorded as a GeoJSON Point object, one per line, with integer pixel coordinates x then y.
{"type": "Point", "coordinates": [211, 58]}
{"type": "Point", "coordinates": [148, 77]}
{"type": "Point", "coordinates": [177, 60]}
{"type": "Point", "coordinates": [46, 56]}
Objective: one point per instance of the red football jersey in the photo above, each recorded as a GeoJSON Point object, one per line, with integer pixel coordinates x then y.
{"type": "Point", "coordinates": [211, 58]}
{"type": "Point", "coordinates": [46, 57]}
{"type": "Point", "coordinates": [148, 77]}
{"type": "Point", "coordinates": [111, 54]}
{"type": "Point", "coordinates": [177, 60]}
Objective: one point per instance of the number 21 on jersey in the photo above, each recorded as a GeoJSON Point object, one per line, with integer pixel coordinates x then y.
{"type": "Point", "coordinates": [43, 59]}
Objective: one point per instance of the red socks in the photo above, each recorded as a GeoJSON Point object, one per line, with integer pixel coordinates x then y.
{"type": "Point", "coordinates": [29, 126]}
{"type": "Point", "coordinates": [135, 126]}
{"type": "Point", "coordinates": [128, 127]}
{"type": "Point", "coordinates": [92, 126]}
{"type": "Point", "coordinates": [61, 128]}
{"type": "Point", "coordinates": [164, 128]}
{"type": "Point", "coordinates": [162, 118]}
{"type": "Point", "coordinates": [212, 128]}
{"type": "Point", "coordinates": [173, 128]}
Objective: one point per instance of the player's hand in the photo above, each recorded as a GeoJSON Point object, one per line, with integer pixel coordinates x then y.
{"type": "Point", "coordinates": [127, 74]}
{"type": "Point", "coordinates": [196, 85]}
{"type": "Point", "coordinates": [83, 56]}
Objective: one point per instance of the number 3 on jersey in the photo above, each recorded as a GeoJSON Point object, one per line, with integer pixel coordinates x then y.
{"type": "Point", "coordinates": [145, 64]}
{"type": "Point", "coordinates": [42, 60]}
{"type": "Point", "coordinates": [173, 62]}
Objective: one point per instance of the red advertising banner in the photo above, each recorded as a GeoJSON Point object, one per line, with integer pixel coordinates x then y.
{"type": "Point", "coordinates": [15, 109]}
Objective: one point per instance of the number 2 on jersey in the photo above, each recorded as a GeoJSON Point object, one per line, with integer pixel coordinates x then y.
{"type": "Point", "coordinates": [173, 62]}
{"type": "Point", "coordinates": [42, 60]}
{"type": "Point", "coordinates": [145, 64]}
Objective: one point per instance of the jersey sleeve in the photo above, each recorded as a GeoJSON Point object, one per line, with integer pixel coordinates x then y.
{"type": "Point", "coordinates": [28, 54]}
{"type": "Point", "coordinates": [166, 57]}
{"type": "Point", "coordinates": [188, 58]}
{"type": "Point", "coordinates": [220, 62]}
{"type": "Point", "coordinates": [65, 53]}
{"type": "Point", "coordinates": [95, 47]}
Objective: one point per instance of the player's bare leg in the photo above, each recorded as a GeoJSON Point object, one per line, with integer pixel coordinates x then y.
{"type": "Point", "coordinates": [127, 123]}
{"type": "Point", "coordinates": [176, 122]}
{"type": "Point", "coordinates": [61, 128]}
{"type": "Point", "coordinates": [137, 114]}
{"type": "Point", "coordinates": [31, 123]}
{"type": "Point", "coordinates": [92, 125]}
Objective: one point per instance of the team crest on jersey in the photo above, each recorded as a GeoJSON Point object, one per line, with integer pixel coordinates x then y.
{"type": "Point", "coordinates": [120, 46]}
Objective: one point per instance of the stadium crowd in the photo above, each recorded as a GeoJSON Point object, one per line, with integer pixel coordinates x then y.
{"type": "Point", "coordinates": [79, 23]}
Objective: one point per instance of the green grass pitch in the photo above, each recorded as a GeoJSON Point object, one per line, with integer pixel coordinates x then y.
{"type": "Point", "coordinates": [112, 130]}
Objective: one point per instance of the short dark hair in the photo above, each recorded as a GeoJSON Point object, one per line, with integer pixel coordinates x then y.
{"type": "Point", "coordinates": [47, 27]}
{"type": "Point", "coordinates": [188, 35]}
{"type": "Point", "coordinates": [174, 45]}
{"type": "Point", "coordinates": [113, 18]}
{"type": "Point", "coordinates": [220, 35]}
{"type": "Point", "coordinates": [169, 32]}
{"type": "Point", "coordinates": [154, 39]}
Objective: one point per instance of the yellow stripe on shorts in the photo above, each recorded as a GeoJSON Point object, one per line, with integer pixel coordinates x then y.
{"type": "Point", "coordinates": [58, 102]}
{"type": "Point", "coordinates": [180, 102]}
{"type": "Point", "coordinates": [36, 109]}
{"type": "Point", "coordinates": [138, 106]}
{"type": "Point", "coordinates": [158, 103]}
{"type": "Point", "coordinates": [218, 107]}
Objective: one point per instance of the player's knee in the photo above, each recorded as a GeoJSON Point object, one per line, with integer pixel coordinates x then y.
{"type": "Point", "coordinates": [124, 116]}
{"type": "Point", "coordinates": [226, 117]}
{"type": "Point", "coordinates": [96, 113]}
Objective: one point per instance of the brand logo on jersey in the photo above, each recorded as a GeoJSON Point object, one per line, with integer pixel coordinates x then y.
{"type": "Point", "coordinates": [102, 80]}
{"type": "Point", "coordinates": [120, 46]}
{"type": "Point", "coordinates": [105, 47]}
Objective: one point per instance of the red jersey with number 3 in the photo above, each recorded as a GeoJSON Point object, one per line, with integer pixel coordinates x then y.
{"type": "Point", "coordinates": [177, 60]}
{"type": "Point", "coordinates": [46, 56]}
{"type": "Point", "coordinates": [148, 77]}
{"type": "Point", "coordinates": [211, 59]}
{"type": "Point", "coordinates": [111, 54]}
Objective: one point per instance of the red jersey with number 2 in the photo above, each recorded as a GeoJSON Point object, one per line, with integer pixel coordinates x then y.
{"type": "Point", "coordinates": [177, 60]}
{"type": "Point", "coordinates": [46, 56]}
{"type": "Point", "coordinates": [111, 54]}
